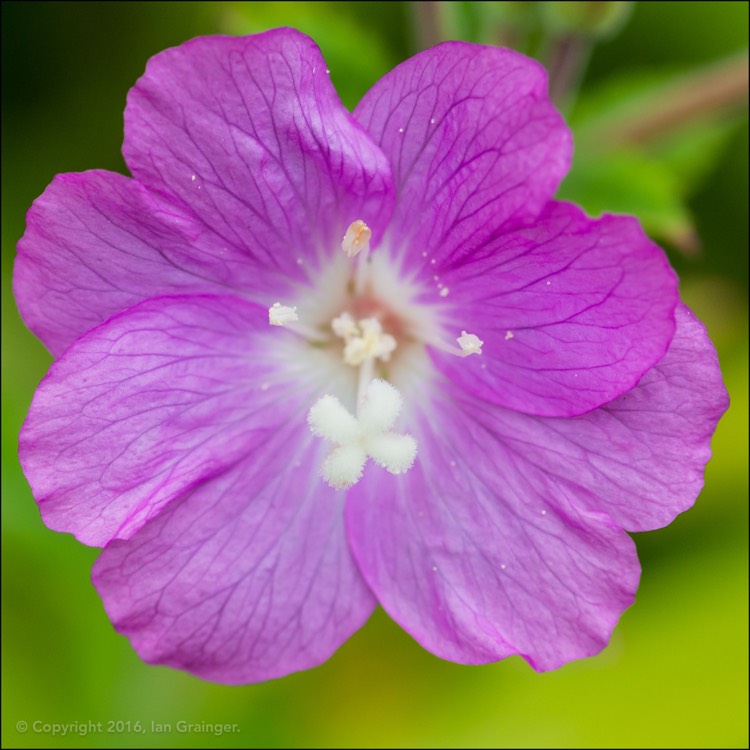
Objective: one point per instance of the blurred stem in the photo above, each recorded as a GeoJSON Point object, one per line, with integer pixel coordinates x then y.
{"type": "Point", "coordinates": [428, 23]}
{"type": "Point", "coordinates": [566, 59]}
{"type": "Point", "coordinates": [724, 86]}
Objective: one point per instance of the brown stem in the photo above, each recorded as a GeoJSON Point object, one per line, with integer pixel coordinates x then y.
{"type": "Point", "coordinates": [427, 24]}
{"type": "Point", "coordinates": [723, 86]}
{"type": "Point", "coordinates": [567, 58]}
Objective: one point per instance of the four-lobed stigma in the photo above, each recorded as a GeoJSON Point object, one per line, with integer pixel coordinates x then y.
{"type": "Point", "coordinates": [366, 435]}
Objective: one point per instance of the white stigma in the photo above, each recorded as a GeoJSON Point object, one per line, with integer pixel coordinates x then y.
{"type": "Point", "coordinates": [356, 239]}
{"type": "Point", "coordinates": [359, 438]}
{"type": "Point", "coordinates": [469, 343]}
{"type": "Point", "coordinates": [280, 315]}
{"type": "Point", "coordinates": [364, 339]}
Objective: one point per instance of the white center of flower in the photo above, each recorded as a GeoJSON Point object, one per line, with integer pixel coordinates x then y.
{"type": "Point", "coordinates": [365, 436]}
{"type": "Point", "coordinates": [364, 339]}
{"type": "Point", "coordinates": [364, 324]}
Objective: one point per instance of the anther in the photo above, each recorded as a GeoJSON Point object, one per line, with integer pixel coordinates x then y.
{"type": "Point", "coordinates": [344, 326]}
{"type": "Point", "coordinates": [356, 239]}
{"type": "Point", "coordinates": [364, 339]}
{"type": "Point", "coordinates": [280, 315]}
{"type": "Point", "coordinates": [469, 343]}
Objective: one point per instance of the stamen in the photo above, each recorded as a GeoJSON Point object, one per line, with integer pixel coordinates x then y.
{"type": "Point", "coordinates": [280, 315]}
{"type": "Point", "coordinates": [362, 437]}
{"type": "Point", "coordinates": [286, 317]}
{"type": "Point", "coordinates": [357, 242]}
{"type": "Point", "coordinates": [364, 339]}
{"type": "Point", "coordinates": [469, 343]}
{"type": "Point", "coordinates": [356, 239]}
{"type": "Point", "coordinates": [344, 326]}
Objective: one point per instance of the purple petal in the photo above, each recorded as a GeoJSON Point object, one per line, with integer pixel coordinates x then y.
{"type": "Point", "coordinates": [246, 578]}
{"type": "Point", "coordinates": [504, 537]}
{"type": "Point", "coordinates": [98, 242]}
{"type": "Point", "coordinates": [640, 458]}
{"type": "Point", "coordinates": [572, 312]}
{"type": "Point", "coordinates": [158, 399]}
{"type": "Point", "coordinates": [249, 133]}
{"type": "Point", "coordinates": [480, 553]}
{"type": "Point", "coordinates": [474, 143]}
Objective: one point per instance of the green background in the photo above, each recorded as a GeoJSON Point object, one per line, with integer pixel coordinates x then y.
{"type": "Point", "coordinates": [675, 673]}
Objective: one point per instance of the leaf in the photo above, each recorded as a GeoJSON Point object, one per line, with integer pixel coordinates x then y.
{"type": "Point", "coordinates": [642, 112]}
{"type": "Point", "coordinates": [646, 142]}
{"type": "Point", "coordinates": [629, 182]}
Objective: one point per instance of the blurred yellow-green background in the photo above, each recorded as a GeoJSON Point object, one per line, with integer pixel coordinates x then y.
{"type": "Point", "coordinates": [676, 671]}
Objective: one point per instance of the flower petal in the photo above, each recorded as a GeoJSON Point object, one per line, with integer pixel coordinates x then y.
{"type": "Point", "coordinates": [486, 556]}
{"type": "Point", "coordinates": [249, 133]}
{"type": "Point", "coordinates": [474, 143]}
{"type": "Point", "coordinates": [98, 242]}
{"type": "Point", "coordinates": [640, 458]}
{"type": "Point", "coordinates": [247, 577]}
{"type": "Point", "coordinates": [572, 312]}
{"type": "Point", "coordinates": [504, 538]}
{"type": "Point", "coordinates": [159, 398]}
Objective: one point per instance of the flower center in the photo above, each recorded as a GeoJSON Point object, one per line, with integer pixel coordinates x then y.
{"type": "Point", "coordinates": [364, 339]}
{"type": "Point", "coordinates": [364, 316]}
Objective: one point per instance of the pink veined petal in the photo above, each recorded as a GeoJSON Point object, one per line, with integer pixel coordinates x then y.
{"type": "Point", "coordinates": [161, 397]}
{"type": "Point", "coordinates": [250, 135]}
{"type": "Point", "coordinates": [247, 577]}
{"type": "Point", "coordinates": [98, 242]}
{"type": "Point", "coordinates": [572, 312]}
{"type": "Point", "coordinates": [505, 536]}
{"type": "Point", "coordinates": [488, 556]}
{"type": "Point", "coordinates": [475, 146]}
{"type": "Point", "coordinates": [640, 458]}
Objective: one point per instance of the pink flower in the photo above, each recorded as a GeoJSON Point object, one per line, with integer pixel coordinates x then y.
{"type": "Point", "coordinates": [309, 361]}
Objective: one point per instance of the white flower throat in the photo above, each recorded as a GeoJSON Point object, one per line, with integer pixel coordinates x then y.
{"type": "Point", "coordinates": [369, 335]}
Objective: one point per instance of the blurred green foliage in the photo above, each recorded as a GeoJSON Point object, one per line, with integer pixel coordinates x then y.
{"type": "Point", "coordinates": [597, 19]}
{"type": "Point", "coordinates": [676, 671]}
